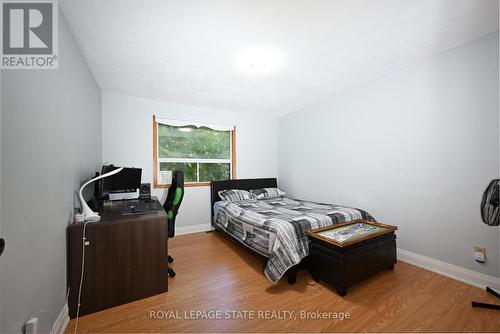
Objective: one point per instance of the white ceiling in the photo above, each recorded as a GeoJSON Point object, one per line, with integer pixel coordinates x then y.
{"type": "Point", "coordinates": [188, 51]}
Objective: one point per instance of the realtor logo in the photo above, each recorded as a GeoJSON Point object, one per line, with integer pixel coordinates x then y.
{"type": "Point", "coordinates": [29, 34]}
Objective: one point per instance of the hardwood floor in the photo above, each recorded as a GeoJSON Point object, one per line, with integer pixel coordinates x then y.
{"type": "Point", "coordinates": [214, 274]}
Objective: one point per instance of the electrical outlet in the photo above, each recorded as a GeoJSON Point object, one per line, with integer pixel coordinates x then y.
{"type": "Point", "coordinates": [480, 254]}
{"type": "Point", "coordinates": [31, 326]}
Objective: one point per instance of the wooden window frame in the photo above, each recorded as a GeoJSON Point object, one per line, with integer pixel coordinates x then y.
{"type": "Point", "coordinates": [188, 184]}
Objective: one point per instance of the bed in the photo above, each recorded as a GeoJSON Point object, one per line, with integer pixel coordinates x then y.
{"type": "Point", "coordinates": [275, 228]}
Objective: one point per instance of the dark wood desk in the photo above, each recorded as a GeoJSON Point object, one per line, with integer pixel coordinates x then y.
{"type": "Point", "coordinates": [125, 260]}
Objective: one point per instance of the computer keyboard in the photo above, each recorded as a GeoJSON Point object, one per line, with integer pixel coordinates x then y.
{"type": "Point", "coordinates": [141, 207]}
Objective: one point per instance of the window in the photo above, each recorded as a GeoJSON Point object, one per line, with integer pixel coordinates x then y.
{"type": "Point", "coordinates": [204, 152]}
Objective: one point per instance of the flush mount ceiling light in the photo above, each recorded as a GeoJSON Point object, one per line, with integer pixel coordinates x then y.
{"type": "Point", "coordinates": [185, 129]}
{"type": "Point", "coordinates": [260, 59]}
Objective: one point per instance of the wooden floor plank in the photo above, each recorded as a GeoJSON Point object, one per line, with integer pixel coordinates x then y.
{"type": "Point", "coordinates": [214, 274]}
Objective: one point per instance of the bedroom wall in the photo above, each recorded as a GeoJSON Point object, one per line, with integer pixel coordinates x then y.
{"type": "Point", "coordinates": [128, 141]}
{"type": "Point", "coordinates": [50, 143]}
{"type": "Point", "coordinates": [416, 148]}
{"type": "Point", "coordinates": [1, 235]}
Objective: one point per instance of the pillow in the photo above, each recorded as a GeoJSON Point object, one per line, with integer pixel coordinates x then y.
{"type": "Point", "coordinates": [233, 195]}
{"type": "Point", "coordinates": [268, 193]}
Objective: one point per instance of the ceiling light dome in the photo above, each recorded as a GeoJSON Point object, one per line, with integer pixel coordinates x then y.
{"type": "Point", "coordinates": [260, 59]}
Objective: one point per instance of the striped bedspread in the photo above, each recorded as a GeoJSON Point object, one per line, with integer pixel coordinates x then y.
{"type": "Point", "coordinates": [276, 227]}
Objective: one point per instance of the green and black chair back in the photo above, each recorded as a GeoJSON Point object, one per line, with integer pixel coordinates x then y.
{"type": "Point", "coordinates": [174, 199]}
{"type": "Point", "coordinates": [171, 206]}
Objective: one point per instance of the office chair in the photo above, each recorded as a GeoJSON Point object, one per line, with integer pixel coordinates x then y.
{"type": "Point", "coordinates": [171, 206]}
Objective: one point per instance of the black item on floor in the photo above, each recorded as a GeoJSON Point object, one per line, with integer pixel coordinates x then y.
{"type": "Point", "coordinates": [487, 305]}
{"type": "Point", "coordinates": [171, 206]}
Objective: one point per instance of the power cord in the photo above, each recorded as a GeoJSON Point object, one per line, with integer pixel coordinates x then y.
{"type": "Point", "coordinates": [84, 238]}
{"type": "Point", "coordinates": [52, 318]}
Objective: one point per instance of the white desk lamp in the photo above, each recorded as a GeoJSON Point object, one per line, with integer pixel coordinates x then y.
{"type": "Point", "coordinates": [90, 215]}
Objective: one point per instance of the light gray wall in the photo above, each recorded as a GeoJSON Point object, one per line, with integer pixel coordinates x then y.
{"type": "Point", "coordinates": [128, 141]}
{"type": "Point", "coordinates": [415, 148]}
{"type": "Point", "coordinates": [51, 141]}
{"type": "Point", "coordinates": [1, 235]}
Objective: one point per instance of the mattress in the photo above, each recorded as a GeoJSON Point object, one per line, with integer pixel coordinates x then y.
{"type": "Point", "coordinates": [276, 228]}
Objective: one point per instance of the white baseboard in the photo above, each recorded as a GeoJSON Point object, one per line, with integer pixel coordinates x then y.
{"type": "Point", "coordinates": [180, 230]}
{"type": "Point", "coordinates": [61, 322]}
{"type": "Point", "coordinates": [449, 270]}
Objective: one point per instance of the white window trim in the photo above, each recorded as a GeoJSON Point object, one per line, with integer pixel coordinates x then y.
{"type": "Point", "coordinates": [183, 122]}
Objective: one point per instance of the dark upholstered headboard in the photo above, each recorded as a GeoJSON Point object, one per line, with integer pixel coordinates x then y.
{"type": "Point", "coordinates": [243, 184]}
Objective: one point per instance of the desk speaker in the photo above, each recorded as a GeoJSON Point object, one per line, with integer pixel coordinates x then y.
{"type": "Point", "coordinates": [145, 191]}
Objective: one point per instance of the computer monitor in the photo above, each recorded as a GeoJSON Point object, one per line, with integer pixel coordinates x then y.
{"type": "Point", "coordinates": [128, 180]}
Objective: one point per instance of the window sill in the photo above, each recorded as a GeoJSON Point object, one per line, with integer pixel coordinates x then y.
{"type": "Point", "coordinates": [186, 185]}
